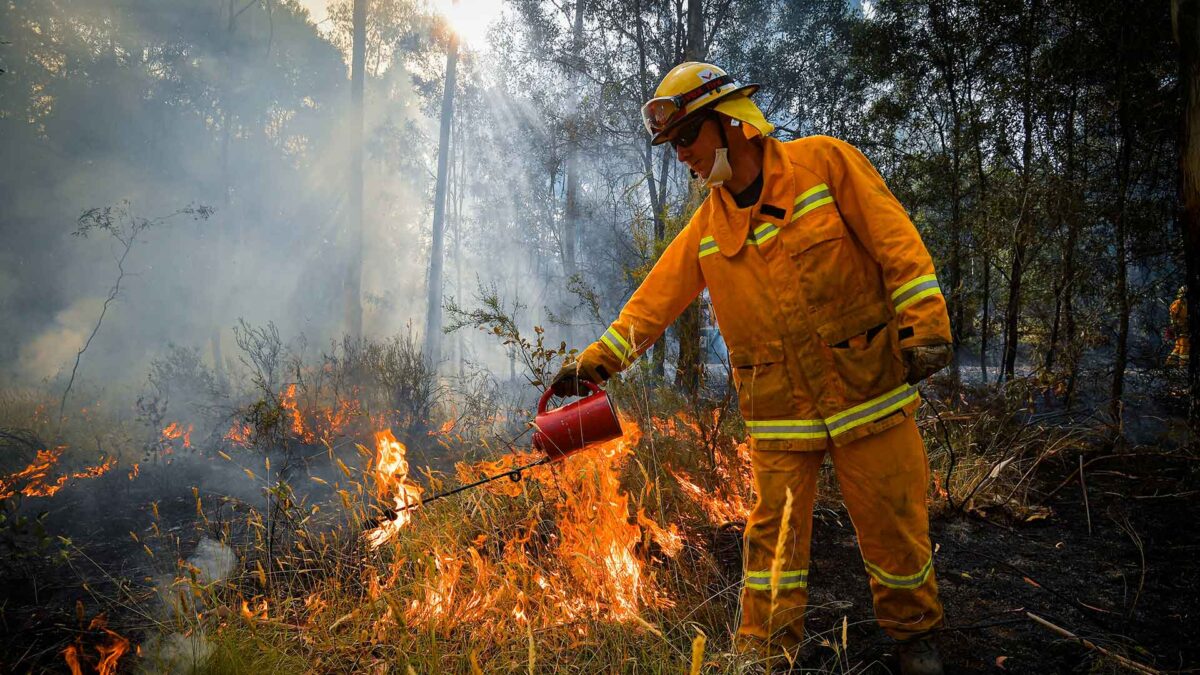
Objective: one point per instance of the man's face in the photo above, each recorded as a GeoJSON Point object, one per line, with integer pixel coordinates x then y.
{"type": "Point", "coordinates": [695, 141]}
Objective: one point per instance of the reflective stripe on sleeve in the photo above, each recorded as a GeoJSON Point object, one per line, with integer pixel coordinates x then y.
{"type": "Point", "coordinates": [760, 580]}
{"type": "Point", "coordinates": [921, 287]}
{"type": "Point", "coordinates": [765, 429]}
{"type": "Point", "coordinates": [872, 410]}
{"type": "Point", "coordinates": [810, 199]}
{"type": "Point", "coordinates": [908, 582]}
{"type": "Point", "coordinates": [708, 246]}
{"type": "Point", "coordinates": [618, 345]}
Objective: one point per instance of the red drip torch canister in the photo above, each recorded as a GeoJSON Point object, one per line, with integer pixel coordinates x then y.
{"type": "Point", "coordinates": [564, 431]}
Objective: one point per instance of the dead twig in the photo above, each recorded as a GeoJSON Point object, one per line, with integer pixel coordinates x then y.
{"type": "Point", "coordinates": [1083, 487]}
{"type": "Point", "coordinates": [1127, 527]}
{"type": "Point", "coordinates": [949, 449]}
{"type": "Point", "coordinates": [1128, 663]}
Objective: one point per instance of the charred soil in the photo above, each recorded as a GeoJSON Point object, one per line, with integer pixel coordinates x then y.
{"type": "Point", "coordinates": [1117, 570]}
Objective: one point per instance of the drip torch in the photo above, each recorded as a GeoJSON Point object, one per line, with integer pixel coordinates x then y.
{"type": "Point", "coordinates": [558, 433]}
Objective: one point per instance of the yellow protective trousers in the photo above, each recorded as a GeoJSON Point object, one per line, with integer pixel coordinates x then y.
{"type": "Point", "coordinates": [884, 479]}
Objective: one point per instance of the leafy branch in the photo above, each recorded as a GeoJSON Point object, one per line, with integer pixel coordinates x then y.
{"type": "Point", "coordinates": [492, 316]}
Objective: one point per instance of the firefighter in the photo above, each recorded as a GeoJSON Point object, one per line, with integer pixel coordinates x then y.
{"type": "Point", "coordinates": [827, 299]}
{"type": "Point", "coordinates": [1179, 330]}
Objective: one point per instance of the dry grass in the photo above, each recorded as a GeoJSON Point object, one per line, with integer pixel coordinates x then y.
{"type": "Point", "coordinates": [604, 563]}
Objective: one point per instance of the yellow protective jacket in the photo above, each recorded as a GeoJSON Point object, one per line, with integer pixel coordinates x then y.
{"type": "Point", "coordinates": [816, 289]}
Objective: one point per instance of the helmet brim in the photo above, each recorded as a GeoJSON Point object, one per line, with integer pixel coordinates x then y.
{"type": "Point", "coordinates": [744, 90]}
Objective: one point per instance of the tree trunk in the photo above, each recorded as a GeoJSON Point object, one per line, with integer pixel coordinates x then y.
{"type": "Point", "coordinates": [353, 285]}
{"type": "Point", "coordinates": [459, 175]}
{"type": "Point", "coordinates": [1124, 159]}
{"type": "Point", "coordinates": [657, 190]}
{"type": "Point", "coordinates": [984, 255]}
{"type": "Point", "coordinates": [985, 318]}
{"type": "Point", "coordinates": [571, 225]}
{"type": "Point", "coordinates": [660, 233]}
{"type": "Point", "coordinates": [1065, 284]}
{"type": "Point", "coordinates": [948, 65]}
{"type": "Point", "coordinates": [695, 31]}
{"type": "Point", "coordinates": [1186, 17]}
{"type": "Point", "coordinates": [1012, 315]}
{"type": "Point", "coordinates": [689, 364]}
{"type": "Point", "coordinates": [433, 310]}
{"type": "Point", "coordinates": [225, 221]}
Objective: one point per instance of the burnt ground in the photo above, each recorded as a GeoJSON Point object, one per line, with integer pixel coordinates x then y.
{"type": "Point", "coordinates": [1128, 585]}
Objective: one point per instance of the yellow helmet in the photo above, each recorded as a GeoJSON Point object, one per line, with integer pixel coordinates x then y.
{"type": "Point", "coordinates": [693, 86]}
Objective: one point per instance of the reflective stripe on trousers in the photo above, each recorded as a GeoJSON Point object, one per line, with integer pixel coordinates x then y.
{"type": "Point", "coordinates": [884, 478]}
{"type": "Point", "coordinates": [877, 408]}
{"type": "Point", "coordinates": [760, 580]}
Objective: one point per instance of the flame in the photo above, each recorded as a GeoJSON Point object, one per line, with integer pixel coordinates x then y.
{"type": "Point", "coordinates": [110, 651]}
{"type": "Point", "coordinates": [731, 500]}
{"type": "Point", "coordinates": [668, 539]}
{"type": "Point", "coordinates": [391, 481]}
{"type": "Point", "coordinates": [36, 476]}
{"type": "Point", "coordinates": [593, 563]}
{"type": "Point", "coordinates": [175, 431]}
{"type": "Point", "coordinates": [134, 471]}
{"type": "Point", "coordinates": [320, 424]}
{"type": "Point", "coordinates": [939, 490]}
{"type": "Point", "coordinates": [239, 434]}
{"type": "Point", "coordinates": [334, 421]}
{"type": "Point", "coordinates": [446, 428]}
{"type": "Point", "coordinates": [71, 655]}
{"type": "Point", "coordinates": [288, 403]}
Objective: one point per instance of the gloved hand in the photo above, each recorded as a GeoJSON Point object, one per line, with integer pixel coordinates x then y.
{"type": "Point", "coordinates": [925, 360]}
{"type": "Point", "coordinates": [570, 378]}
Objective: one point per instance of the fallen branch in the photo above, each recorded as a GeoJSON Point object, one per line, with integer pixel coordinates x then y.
{"type": "Point", "coordinates": [1083, 486]}
{"type": "Point", "coordinates": [1132, 665]}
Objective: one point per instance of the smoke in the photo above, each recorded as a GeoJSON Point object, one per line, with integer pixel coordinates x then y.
{"type": "Point", "coordinates": [48, 353]}
{"type": "Point", "coordinates": [252, 122]}
{"type": "Point", "coordinates": [214, 560]}
{"type": "Point", "coordinates": [185, 652]}
{"type": "Point", "coordinates": [176, 653]}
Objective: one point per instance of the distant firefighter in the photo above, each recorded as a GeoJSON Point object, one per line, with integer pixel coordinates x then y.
{"type": "Point", "coordinates": [1179, 330]}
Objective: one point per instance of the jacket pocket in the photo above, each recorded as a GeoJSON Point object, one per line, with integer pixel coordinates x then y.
{"type": "Point", "coordinates": [763, 386]}
{"type": "Point", "coordinates": [826, 263]}
{"type": "Point", "coordinates": [864, 347]}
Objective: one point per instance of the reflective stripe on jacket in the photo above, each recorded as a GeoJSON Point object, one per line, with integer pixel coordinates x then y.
{"type": "Point", "coordinates": [816, 289]}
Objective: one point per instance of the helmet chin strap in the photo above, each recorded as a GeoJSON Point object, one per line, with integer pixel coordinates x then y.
{"type": "Point", "coordinates": [721, 170]}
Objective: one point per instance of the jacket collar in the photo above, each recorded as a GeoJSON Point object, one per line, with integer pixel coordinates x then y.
{"type": "Point", "coordinates": [731, 226]}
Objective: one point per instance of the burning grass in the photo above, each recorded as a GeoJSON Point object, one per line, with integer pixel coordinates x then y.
{"type": "Point", "coordinates": [606, 559]}
{"type": "Point", "coordinates": [581, 564]}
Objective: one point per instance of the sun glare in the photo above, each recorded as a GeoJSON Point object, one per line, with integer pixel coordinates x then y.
{"type": "Point", "coordinates": [470, 19]}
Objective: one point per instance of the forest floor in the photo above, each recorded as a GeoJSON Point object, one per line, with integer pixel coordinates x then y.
{"type": "Point", "coordinates": [1117, 569]}
{"type": "Point", "coordinates": [1109, 555]}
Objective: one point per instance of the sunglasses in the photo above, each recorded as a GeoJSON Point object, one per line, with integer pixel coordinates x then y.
{"type": "Point", "coordinates": [688, 133]}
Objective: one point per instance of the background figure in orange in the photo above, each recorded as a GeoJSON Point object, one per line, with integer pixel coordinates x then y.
{"type": "Point", "coordinates": [1179, 328]}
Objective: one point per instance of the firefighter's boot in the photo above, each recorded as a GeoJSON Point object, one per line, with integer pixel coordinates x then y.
{"type": "Point", "coordinates": [919, 656]}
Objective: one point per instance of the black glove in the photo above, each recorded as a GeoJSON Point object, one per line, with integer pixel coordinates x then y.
{"type": "Point", "coordinates": [925, 360]}
{"type": "Point", "coordinates": [571, 377]}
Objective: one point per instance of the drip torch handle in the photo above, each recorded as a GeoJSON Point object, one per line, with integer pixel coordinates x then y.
{"type": "Point", "coordinates": [512, 474]}
{"type": "Point", "coordinates": [550, 392]}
